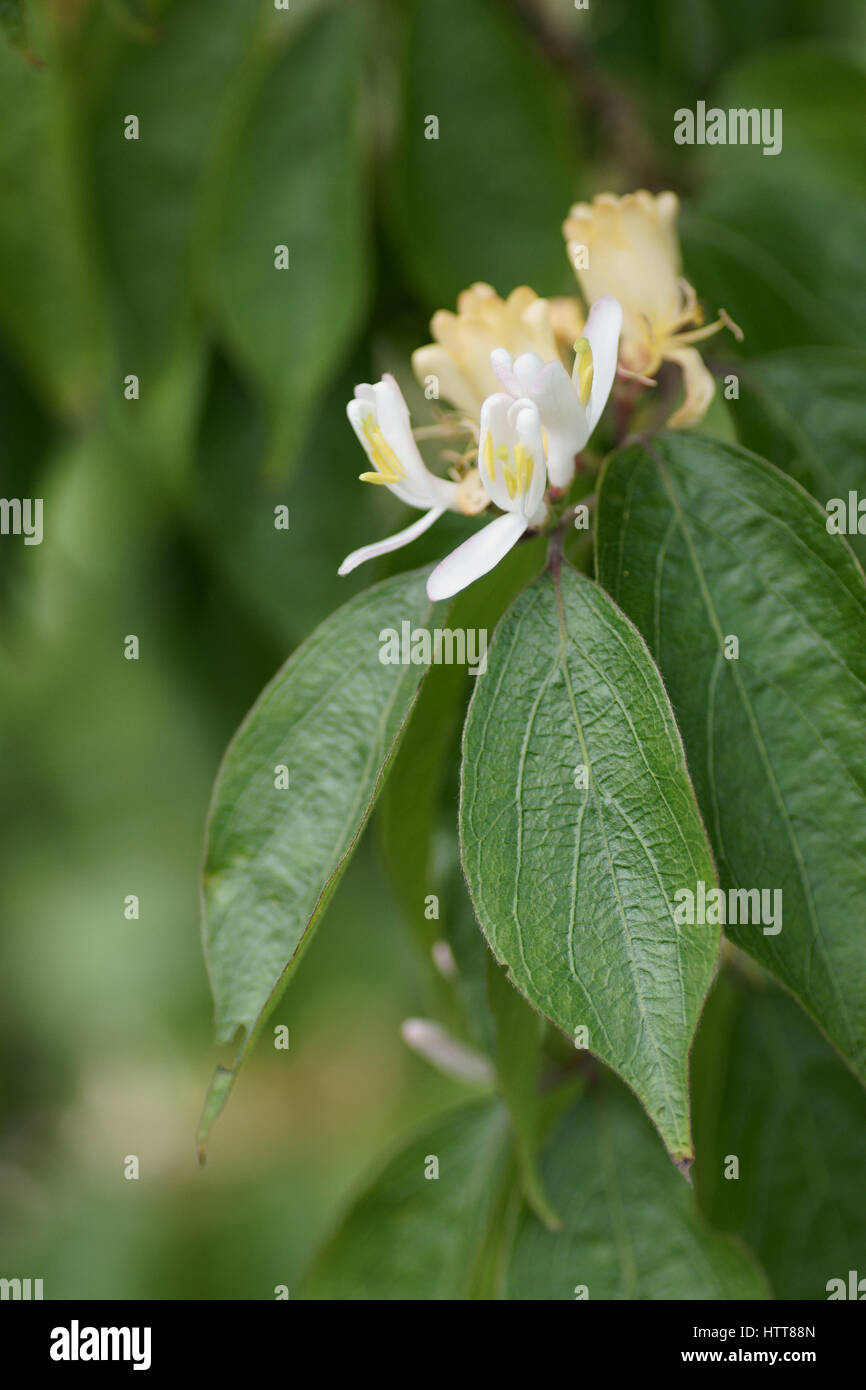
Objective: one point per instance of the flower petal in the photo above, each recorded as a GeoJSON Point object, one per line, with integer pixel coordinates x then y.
{"type": "Point", "coordinates": [369, 552]}
{"type": "Point", "coordinates": [476, 556]}
{"type": "Point", "coordinates": [602, 333]}
{"type": "Point", "coordinates": [699, 387]}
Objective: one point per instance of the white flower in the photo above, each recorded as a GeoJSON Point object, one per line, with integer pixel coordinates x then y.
{"type": "Point", "coordinates": [380, 418]}
{"type": "Point", "coordinates": [570, 406]}
{"type": "Point", "coordinates": [513, 471]}
{"type": "Point", "coordinates": [628, 247]}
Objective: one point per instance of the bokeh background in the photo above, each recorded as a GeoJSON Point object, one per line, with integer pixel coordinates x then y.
{"type": "Point", "coordinates": [305, 127]}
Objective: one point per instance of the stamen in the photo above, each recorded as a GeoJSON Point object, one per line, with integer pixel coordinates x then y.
{"type": "Point", "coordinates": [488, 456]}
{"type": "Point", "coordinates": [583, 365]}
{"type": "Point", "coordinates": [524, 465]}
{"type": "Point", "coordinates": [390, 469]}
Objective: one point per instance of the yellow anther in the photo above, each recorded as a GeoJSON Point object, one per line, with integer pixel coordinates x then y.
{"type": "Point", "coordinates": [390, 469]}
{"type": "Point", "coordinates": [488, 456]}
{"type": "Point", "coordinates": [584, 367]}
{"type": "Point", "coordinates": [524, 465]}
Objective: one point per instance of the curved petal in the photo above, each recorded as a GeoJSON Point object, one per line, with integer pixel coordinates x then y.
{"type": "Point", "coordinates": [564, 420]}
{"type": "Point", "coordinates": [699, 387]}
{"type": "Point", "coordinates": [454, 385]}
{"type": "Point", "coordinates": [602, 333]}
{"type": "Point", "coordinates": [476, 556]}
{"type": "Point", "coordinates": [411, 533]}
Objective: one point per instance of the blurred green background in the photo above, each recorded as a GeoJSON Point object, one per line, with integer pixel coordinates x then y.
{"type": "Point", "coordinates": [155, 257]}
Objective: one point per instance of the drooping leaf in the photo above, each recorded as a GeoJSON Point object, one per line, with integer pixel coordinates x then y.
{"type": "Point", "coordinates": [296, 180]}
{"type": "Point", "coordinates": [328, 724]}
{"type": "Point", "coordinates": [578, 825]}
{"type": "Point", "coordinates": [631, 1228]}
{"type": "Point", "coordinates": [418, 1229]}
{"type": "Point", "coordinates": [770, 1093]}
{"type": "Point", "coordinates": [497, 163]}
{"type": "Point", "coordinates": [701, 542]}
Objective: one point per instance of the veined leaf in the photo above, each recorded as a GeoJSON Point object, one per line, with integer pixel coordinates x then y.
{"type": "Point", "coordinates": [702, 543]}
{"type": "Point", "coordinates": [578, 825]}
{"type": "Point", "coordinates": [631, 1229]}
{"type": "Point", "coordinates": [327, 725]}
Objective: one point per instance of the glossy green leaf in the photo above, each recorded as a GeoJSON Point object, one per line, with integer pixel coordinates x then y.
{"type": "Point", "coordinates": [296, 180]}
{"type": "Point", "coordinates": [328, 722]}
{"type": "Point", "coordinates": [413, 1235]}
{"type": "Point", "coordinates": [631, 1228]}
{"type": "Point", "coordinates": [806, 410]}
{"type": "Point", "coordinates": [502, 158]}
{"type": "Point", "coordinates": [770, 1092]}
{"type": "Point", "coordinates": [700, 542]}
{"type": "Point", "coordinates": [574, 886]}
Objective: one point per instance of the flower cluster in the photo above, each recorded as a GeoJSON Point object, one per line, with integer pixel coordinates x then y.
{"type": "Point", "coordinates": [529, 379]}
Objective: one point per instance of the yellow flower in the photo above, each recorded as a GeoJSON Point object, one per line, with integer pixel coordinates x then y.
{"type": "Point", "coordinates": [628, 247]}
{"type": "Point", "coordinates": [459, 359]}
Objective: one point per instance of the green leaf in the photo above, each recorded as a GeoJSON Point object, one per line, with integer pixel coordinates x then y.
{"type": "Point", "coordinates": [412, 1236]}
{"type": "Point", "coordinates": [806, 410]}
{"type": "Point", "coordinates": [770, 1091]}
{"type": "Point", "coordinates": [777, 239]}
{"type": "Point", "coordinates": [332, 715]}
{"type": "Point", "coordinates": [574, 888]}
{"type": "Point", "coordinates": [182, 80]}
{"type": "Point", "coordinates": [48, 298]}
{"type": "Point", "coordinates": [503, 159]}
{"type": "Point", "coordinates": [699, 541]}
{"type": "Point", "coordinates": [631, 1229]}
{"type": "Point", "coordinates": [296, 180]}
{"type": "Point", "coordinates": [411, 798]}
{"type": "Point", "coordinates": [519, 1031]}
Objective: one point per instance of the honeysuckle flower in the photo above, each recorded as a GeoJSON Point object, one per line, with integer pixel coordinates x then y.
{"type": "Point", "coordinates": [513, 471]}
{"type": "Point", "coordinates": [631, 251]}
{"type": "Point", "coordinates": [380, 418]}
{"type": "Point", "coordinates": [570, 406]}
{"type": "Point", "coordinates": [459, 359]}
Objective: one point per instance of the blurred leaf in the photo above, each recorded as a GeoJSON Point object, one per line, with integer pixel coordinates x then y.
{"type": "Point", "coordinates": [785, 263]}
{"type": "Point", "coordinates": [412, 1236]}
{"type": "Point", "coordinates": [577, 825]}
{"type": "Point", "coordinates": [183, 80]}
{"type": "Point", "coordinates": [631, 1228]}
{"type": "Point", "coordinates": [519, 1031]}
{"type": "Point", "coordinates": [49, 306]}
{"type": "Point", "coordinates": [777, 239]}
{"type": "Point", "coordinates": [821, 92]}
{"type": "Point", "coordinates": [770, 1091]}
{"type": "Point", "coordinates": [296, 179]}
{"type": "Point", "coordinates": [332, 716]}
{"type": "Point", "coordinates": [484, 201]}
{"type": "Point", "coordinates": [806, 410]}
{"type": "Point", "coordinates": [698, 541]}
